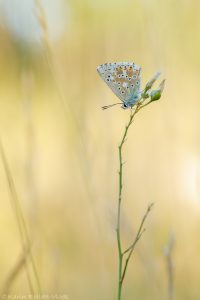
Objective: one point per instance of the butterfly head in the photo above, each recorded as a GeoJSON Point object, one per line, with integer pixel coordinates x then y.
{"type": "Point", "coordinates": [124, 106]}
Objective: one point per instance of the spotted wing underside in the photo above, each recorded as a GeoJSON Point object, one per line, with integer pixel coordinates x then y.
{"type": "Point", "coordinates": [123, 78]}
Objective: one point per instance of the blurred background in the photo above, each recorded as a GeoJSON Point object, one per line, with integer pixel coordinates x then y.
{"type": "Point", "coordinates": [59, 155]}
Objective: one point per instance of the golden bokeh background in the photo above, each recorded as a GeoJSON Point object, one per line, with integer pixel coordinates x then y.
{"type": "Point", "coordinates": [61, 148]}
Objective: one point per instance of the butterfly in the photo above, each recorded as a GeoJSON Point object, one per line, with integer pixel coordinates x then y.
{"type": "Point", "coordinates": [124, 80]}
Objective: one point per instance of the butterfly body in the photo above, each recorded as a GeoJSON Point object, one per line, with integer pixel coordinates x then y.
{"type": "Point", "coordinates": [131, 101]}
{"type": "Point", "coordinates": [124, 80]}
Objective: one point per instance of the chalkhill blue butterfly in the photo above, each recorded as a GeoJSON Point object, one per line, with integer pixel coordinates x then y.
{"type": "Point", "coordinates": [124, 80]}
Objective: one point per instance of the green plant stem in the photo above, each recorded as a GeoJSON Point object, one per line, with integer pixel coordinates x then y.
{"type": "Point", "coordinates": [122, 269]}
{"type": "Point", "coordinates": [120, 253]}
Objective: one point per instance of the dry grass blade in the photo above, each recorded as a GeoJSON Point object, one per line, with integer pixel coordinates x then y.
{"type": "Point", "coordinates": [168, 250]}
{"type": "Point", "coordinates": [24, 236]}
{"type": "Point", "coordinates": [14, 273]}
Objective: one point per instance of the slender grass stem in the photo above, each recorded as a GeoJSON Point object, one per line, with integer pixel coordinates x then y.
{"type": "Point", "coordinates": [130, 249]}
{"type": "Point", "coordinates": [122, 268]}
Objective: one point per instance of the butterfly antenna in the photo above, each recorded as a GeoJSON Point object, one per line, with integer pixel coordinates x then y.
{"type": "Point", "coordinates": [108, 106]}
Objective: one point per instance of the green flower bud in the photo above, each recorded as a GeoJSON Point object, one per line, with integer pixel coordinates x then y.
{"type": "Point", "coordinates": [156, 94]}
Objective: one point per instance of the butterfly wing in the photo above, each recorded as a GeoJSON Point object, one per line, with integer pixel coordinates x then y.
{"type": "Point", "coordinates": [123, 78]}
